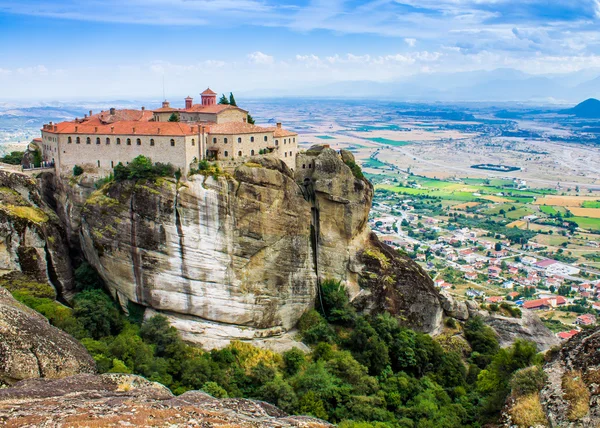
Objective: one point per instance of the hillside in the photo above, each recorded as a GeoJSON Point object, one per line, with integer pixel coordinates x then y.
{"type": "Point", "coordinates": [589, 109]}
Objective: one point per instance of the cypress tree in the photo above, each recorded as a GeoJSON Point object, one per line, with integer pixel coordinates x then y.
{"type": "Point", "coordinates": [250, 119]}
{"type": "Point", "coordinates": [232, 99]}
{"type": "Point", "coordinates": [223, 100]}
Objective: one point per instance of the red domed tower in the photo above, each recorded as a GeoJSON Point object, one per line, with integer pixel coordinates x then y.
{"type": "Point", "coordinates": [188, 103]}
{"type": "Point", "coordinates": [209, 97]}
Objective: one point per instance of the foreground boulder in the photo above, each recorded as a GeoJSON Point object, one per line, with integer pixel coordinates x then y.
{"type": "Point", "coordinates": [571, 396]}
{"type": "Point", "coordinates": [31, 348]}
{"type": "Point", "coordinates": [128, 400]}
{"type": "Point", "coordinates": [528, 327]}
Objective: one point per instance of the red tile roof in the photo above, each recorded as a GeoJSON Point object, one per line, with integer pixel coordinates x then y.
{"type": "Point", "coordinates": [208, 91]}
{"type": "Point", "coordinates": [546, 263]}
{"type": "Point", "coordinates": [280, 132]}
{"type": "Point", "coordinates": [124, 128]}
{"type": "Point", "coordinates": [213, 108]}
{"type": "Point", "coordinates": [229, 128]}
{"type": "Point", "coordinates": [566, 335]}
{"type": "Point", "coordinates": [123, 115]}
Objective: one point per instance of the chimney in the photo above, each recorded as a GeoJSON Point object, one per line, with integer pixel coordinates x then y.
{"type": "Point", "coordinates": [90, 112]}
{"type": "Point", "coordinates": [188, 102]}
{"type": "Point", "coordinates": [112, 129]}
{"type": "Point", "coordinates": [50, 122]}
{"type": "Point", "coordinates": [55, 128]}
{"type": "Point", "coordinates": [134, 130]}
{"type": "Point", "coordinates": [279, 125]}
{"type": "Point", "coordinates": [112, 111]}
{"type": "Point", "coordinates": [85, 116]}
{"type": "Point", "coordinates": [165, 104]}
{"type": "Point", "coordinates": [95, 129]}
{"type": "Point", "coordinates": [76, 128]}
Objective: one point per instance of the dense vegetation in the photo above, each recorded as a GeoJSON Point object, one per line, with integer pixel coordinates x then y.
{"type": "Point", "coordinates": [13, 158]}
{"type": "Point", "coordinates": [142, 167]}
{"type": "Point", "coordinates": [362, 371]}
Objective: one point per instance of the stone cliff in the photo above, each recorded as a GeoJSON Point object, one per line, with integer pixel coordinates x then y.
{"type": "Point", "coordinates": [240, 255]}
{"type": "Point", "coordinates": [32, 240]}
{"type": "Point", "coordinates": [115, 400]}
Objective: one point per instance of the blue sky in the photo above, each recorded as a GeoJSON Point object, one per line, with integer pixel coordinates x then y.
{"type": "Point", "coordinates": [108, 48]}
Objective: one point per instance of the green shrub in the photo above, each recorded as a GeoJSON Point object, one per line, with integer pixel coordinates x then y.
{"type": "Point", "coordinates": [527, 381]}
{"type": "Point", "coordinates": [355, 168]}
{"type": "Point", "coordinates": [77, 170]}
{"type": "Point", "coordinates": [97, 313]}
{"type": "Point", "coordinates": [142, 167]}
{"type": "Point", "coordinates": [335, 305]}
{"type": "Point", "coordinates": [13, 158]}
{"type": "Point", "coordinates": [213, 388]}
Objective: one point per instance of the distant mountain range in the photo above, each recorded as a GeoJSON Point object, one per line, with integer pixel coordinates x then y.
{"type": "Point", "coordinates": [589, 109]}
{"type": "Point", "coordinates": [500, 85]}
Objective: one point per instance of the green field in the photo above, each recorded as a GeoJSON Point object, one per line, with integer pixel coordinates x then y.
{"type": "Point", "coordinates": [448, 195]}
{"type": "Point", "coordinates": [374, 163]}
{"type": "Point", "coordinates": [325, 137]}
{"type": "Point", "coordinates": [586, 222]}
{"type": "Point", "coordinates": [591, 204]}
{"type": "Point", "coordinates": [390, 142]}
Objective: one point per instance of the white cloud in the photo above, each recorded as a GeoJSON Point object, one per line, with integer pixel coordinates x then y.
{"type": "Point", "coordinates": [412, 42]}
{"type": "Point", "coordinates": [260, 58]}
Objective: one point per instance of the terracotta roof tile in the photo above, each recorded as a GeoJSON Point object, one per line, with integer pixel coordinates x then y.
{"type": "Point", "coordinates": [125, 128]}
{"type": "Point", "coordinates": [123, 115]}
{"type": "Point", "coordinates": [208, 91]}
{"type": "Point", "coordinates": [229, 128]}
{"type": "Point", "coordinates": [214, 108]}
{"type": "Point", "coordinates": [280, 132]}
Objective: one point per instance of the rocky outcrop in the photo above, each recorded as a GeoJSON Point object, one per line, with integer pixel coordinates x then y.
{"type": "Point", "coordinates": [239, 255]}
{"type": "Point", "coordinates": [394, 283]}
{"type": "Point", "coordinates": [127, 400]}
{"type": "Point", "coordinates": [528, 327]}
{"type": "Point", "coordinates": [571, 396]}
{"type": "Point", "coordinates": [31, 236]}
{"type": "Point", "coordinates": [31, 348]}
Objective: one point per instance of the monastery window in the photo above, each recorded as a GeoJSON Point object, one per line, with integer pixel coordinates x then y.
{"type": "Point", "coordinates": [226, 154]}
{"type": "Point", "coordinates": [97, 140]}
{"type": "Point", "coordinates": [224, 140]}
{"type": "Point", "coordinates": [252, 139]}
{"type": "Point", "coordinates": [172, 142]}
{"type": "Point", "coordinates": [69, 140]}
{"type": "Point", "coordinates": [214, 140]}
{"type": "Point", "coordinates": [118, 141]}
{"type": "Point", "coordinates": [193, 142]}
{"type": "Point", "coordinates": [265, 138]}
{"type": "Point", "coordinates": [239, 139]}
{"type": "Point", "coordinates": [151, 141]}
{"type": "Point", "coordinates": [78, 140]}
{"type": "Point", "coordinates": [252, 153]}
{"type": "Point", "coordinates": [303, 166]}
{"type": "Point", "coordinates": [112, 164]}
{"type": "Point", "coordinates": [88, 140]}
{"type": "Point", "coordinates": [294, 139]}
{"type": "Point", "coordinates": [290, 154]}
{"type": "Point", "coordinates": [107, 140]}
{"type": "Point", "coordinates": [276, 142]}
{"type": "Point", "coordinates": [98, 163]}
{"type": "Point", "coordinates": [138, 142]}
{"type": "Point", "coordinates": [240, 153]}
{"type": "Point", "coordinates": [284, 141]}
{"type": "Point", "coordinates": [129, 141]}
{"type": "Point", "coordinates": [285, 154]}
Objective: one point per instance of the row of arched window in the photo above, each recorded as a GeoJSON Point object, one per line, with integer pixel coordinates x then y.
{"type": "Point", "coordinates": [138, 141]}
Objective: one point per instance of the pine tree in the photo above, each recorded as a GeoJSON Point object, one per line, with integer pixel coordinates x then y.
{"type": "Point", "coordinates": [223, 100]}
{"type": "Point", "coordinates": [232, 99]}
{"type": "Point", "coordinates": [174, 118]}
{"type": "Point", "coordinates": [250, 119]}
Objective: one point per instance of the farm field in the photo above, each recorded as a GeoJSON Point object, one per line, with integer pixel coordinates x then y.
{"type": "Point", "coordinates": [585, 212]}
{"type": "Point", "coordinates": [564, 201]}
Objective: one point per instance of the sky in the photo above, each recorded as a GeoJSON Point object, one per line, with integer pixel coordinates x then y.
{"type": "Point", "coordinates": [74, 49]}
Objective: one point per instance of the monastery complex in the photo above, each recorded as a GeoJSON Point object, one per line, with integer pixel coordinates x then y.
{"type": "Point", "coordinates": [208, 130]}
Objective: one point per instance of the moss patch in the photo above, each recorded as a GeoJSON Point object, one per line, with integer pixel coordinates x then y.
{"type": "Point", "coordinates": [17, 282]}
{"type": "Point", "coordinates": [375, 254]}
{"type": "Point", "coordinates": [576, 394]}
{"type": "Point", "coordinates": [527, 411]}
{"type": "Point", "coordinates": [35, 215]}
{"type": "Point", "coordinates": [98, 198]}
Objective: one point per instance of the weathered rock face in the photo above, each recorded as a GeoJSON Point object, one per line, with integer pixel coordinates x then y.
{"type": "Point", "coordinates": [31, 236]}
{"type": "Point", "coordinates": [579, 361]}
{"type": "Point", "coordinates": [128, 400]}
{"type": "Point", "coordinates": [528, 327]}
{"type": "Point", "coordinates": [31, 348]}
{"type": "Point", "coordinates": [395, 284]}
{"type": "Point", "coordinates": [239, 256]}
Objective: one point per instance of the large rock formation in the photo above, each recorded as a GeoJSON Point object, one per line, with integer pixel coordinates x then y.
{"type": "Point", "coordinates": [127, 400]}
{"type": "Point", "coordinates": [527, 327]}
{"type": "Point", "coordinates": [240, 255]}
{"type": "Point", "coordinates": [31, 236]}
{"type": "Point", "coordinates": [31, 348]}
{"type": "Point", "coordinates": [571, 396]}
